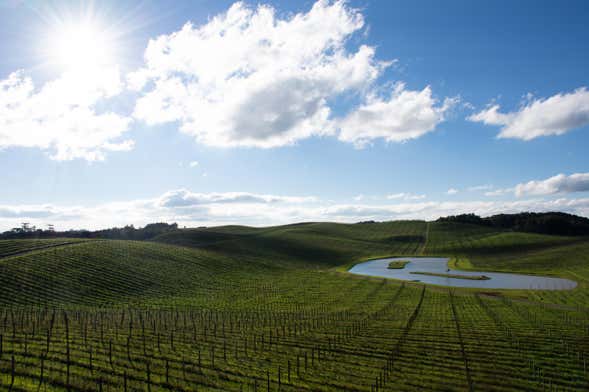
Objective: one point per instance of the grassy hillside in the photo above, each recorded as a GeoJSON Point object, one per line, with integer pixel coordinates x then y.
{"type": "Point", "coordinates": [487, 249]}
{"type": "Point", "coordinates": [236, 308]}
{"type": "Point", "coordinates": [467, 239]}
{"type": "Point", "coordinates": [326, 244]}
{"type": "Point", "coordinates": [14, 247]}
{"type": "Point", "coordinates": [121, 272]}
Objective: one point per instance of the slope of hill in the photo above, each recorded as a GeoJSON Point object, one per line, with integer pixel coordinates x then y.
{"type": "Point", "coordinates": [236, 308]}
{"type": "Point", "coordinates": [99, 272]}
{"type": "Point", "coordinates": [308, 243]}
{"type": "Point", "coordinates": [14, 247]}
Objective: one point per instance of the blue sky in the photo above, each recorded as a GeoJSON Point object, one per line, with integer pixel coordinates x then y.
{"type": "Point", "coordinates": [261, 113]}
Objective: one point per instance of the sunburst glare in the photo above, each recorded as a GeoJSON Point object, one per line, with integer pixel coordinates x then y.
{"type": "Point", "coordinates": [79, 42]}
{"type": "Point", "coordinates": [82, 45]}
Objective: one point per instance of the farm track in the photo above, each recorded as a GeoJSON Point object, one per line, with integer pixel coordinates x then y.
{"type": "Point", "coordinates": [462, 350]}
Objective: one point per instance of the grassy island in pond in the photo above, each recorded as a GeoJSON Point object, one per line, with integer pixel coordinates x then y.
{"type": "Point", "coordinates": [398, 264]}
{"type": "Point", "coordinates": [455, 276]}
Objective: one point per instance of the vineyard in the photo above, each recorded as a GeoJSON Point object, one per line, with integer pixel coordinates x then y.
{"type": "Point", "coordinates": [244, 309]}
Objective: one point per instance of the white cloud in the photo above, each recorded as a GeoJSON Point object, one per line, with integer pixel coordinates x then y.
{"type": "Point", "coordinates": [405, 196]}
{"type": "Point", "coordinates": [403, 116]}
{"type": "Point", "coordinates": [196, 209]}
{"type": "Point", "coordinates": [30, 211]}
{"type": "Point", "coordinates": [499, 192]}
{"type": "Point", "coordinates": [478, 188]}
{"type": "Point", "coordinates": [61, 116]}
{"type": "Point", "coordinates": [359, 197]}
{"type": "Point", "coordinates": [578, 182]}
{"type": "Point", "coordinates": [251, 78]}
{"type": "Point", "coordinates": [193, 164]}
{"type": "Point", "coordinates": [185, 198]}
{"type": "Point", "coordinates": [433, 210]}
{"type": "Point", "coordinates": [452, 191]}
{"type": "Point", "coordinates": [555, 115]}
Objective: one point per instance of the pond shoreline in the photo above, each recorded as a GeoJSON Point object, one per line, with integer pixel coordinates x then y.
{"type": "Point", "coordinates": [436, 271]}
{"type": "Point", "coordinates": [453, 276]}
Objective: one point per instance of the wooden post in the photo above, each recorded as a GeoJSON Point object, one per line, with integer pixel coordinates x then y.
{"type": "Point", "coordinates": [110, 353]}
{"type": "Point", "coordinates": [90, 361]}
{"type": "Point", "coordinates": [148, 377]}
{"type": "Point", "coordinates": [67, 350]}
{"type": "Point", "coordinates": [167, 372]}
{"type": "Point", "coordinates": [12, 371]}
{"type": "Point", "coordinates": [41, 375]}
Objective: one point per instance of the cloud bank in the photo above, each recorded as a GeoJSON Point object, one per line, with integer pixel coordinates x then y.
{"type": "Point", "coordinates": [197, 209]}
{"type": "Point", "coordinates": [185, 198]}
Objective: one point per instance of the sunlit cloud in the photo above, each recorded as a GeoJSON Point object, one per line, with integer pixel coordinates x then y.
{"type": "Point", "coordinates": [561, 183]}
{"type": "Point", "coordinates": [402, 116]}
{"type": "Point", "coordinates": [61, 116]}
{"type": "Point", "coordinates": [249, 77]}
{"type": "Point", "coordinates": [555, 115]}
{"type": "Point", "coordinates": [70, 115]}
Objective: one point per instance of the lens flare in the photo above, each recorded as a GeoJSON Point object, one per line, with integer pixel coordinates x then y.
{"type": "Point", "coordinates": [81, 45]}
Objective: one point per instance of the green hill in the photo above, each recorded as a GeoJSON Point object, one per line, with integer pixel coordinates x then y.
{"type": "Point", "coordinates": [326, 244]}
{"type": "Point", "coordinates": [15, 247]}
{"type": "Point", "coordinates": [236, 308]}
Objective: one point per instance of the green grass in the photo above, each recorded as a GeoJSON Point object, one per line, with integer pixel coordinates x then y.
{"type": "Point", "coordinates": [226, 309]}
{"type": "Point", "coordinates": [13, 247]}
{"type": "Point", "coordinates": [398, 264]}
{"type": "Point", "coordinates": [526, 253]}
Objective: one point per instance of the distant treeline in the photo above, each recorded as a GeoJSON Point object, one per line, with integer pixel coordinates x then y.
{"type": "Point", "coordinates": [123, 233]}
{"type": "Point", "coordinates": [557, 223]}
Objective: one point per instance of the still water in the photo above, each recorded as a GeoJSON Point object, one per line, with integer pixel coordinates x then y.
{"type": "Point", "coordinates": [498, 280]}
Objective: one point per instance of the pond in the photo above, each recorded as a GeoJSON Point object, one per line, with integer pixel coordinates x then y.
{"type": "Point", "coordinates": [439, 265]}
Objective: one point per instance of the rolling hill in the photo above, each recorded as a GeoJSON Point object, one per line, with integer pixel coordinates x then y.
{"type": "Point", "coordinates": [240, 308]}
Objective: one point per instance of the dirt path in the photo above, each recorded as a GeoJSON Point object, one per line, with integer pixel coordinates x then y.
{"type": "Point", "coordinates": [422, 251]}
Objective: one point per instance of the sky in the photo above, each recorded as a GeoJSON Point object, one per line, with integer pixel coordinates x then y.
{"type": "Point", "coordinates": [274, 112]}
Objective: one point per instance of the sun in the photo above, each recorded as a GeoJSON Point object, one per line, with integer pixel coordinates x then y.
{"type": "Point", "coordinates": [74, 37]}
{"type": "Point", "coordinates": [76, 46]}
